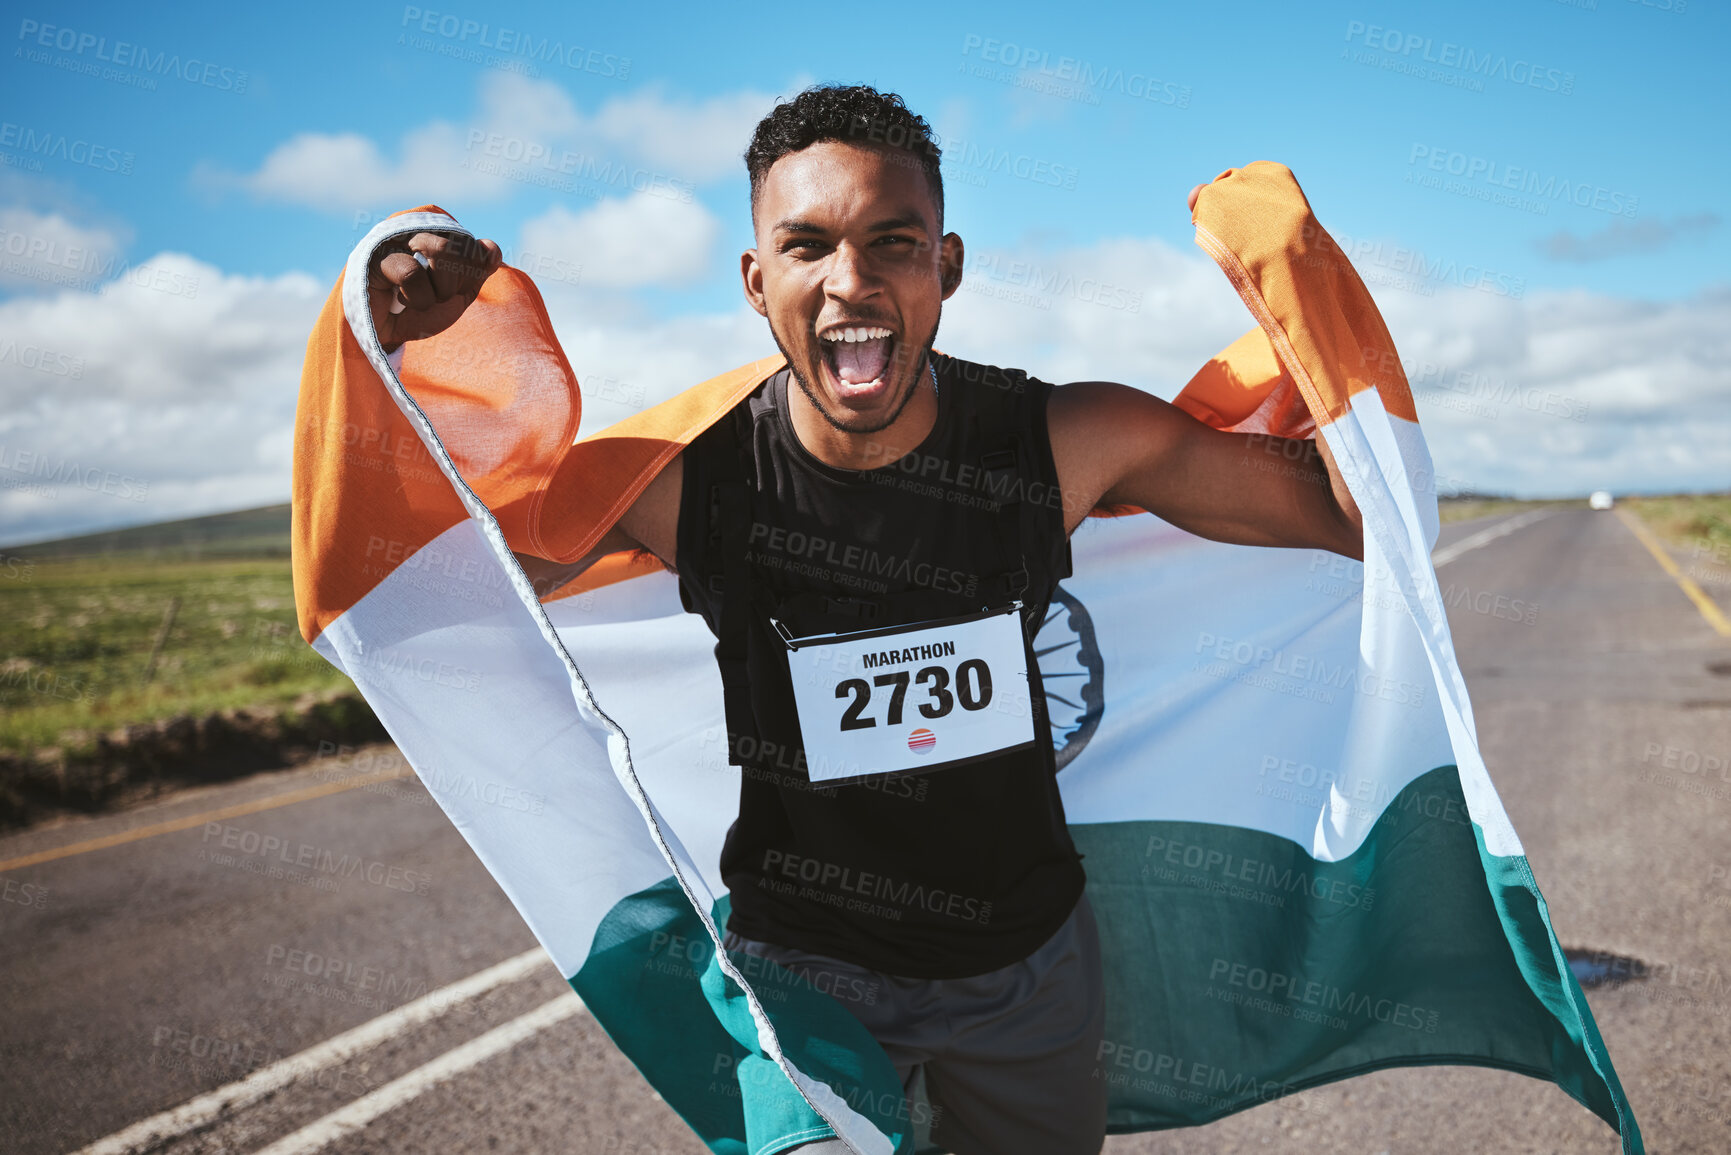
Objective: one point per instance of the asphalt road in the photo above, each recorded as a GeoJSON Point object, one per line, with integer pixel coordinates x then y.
{"type": "Point", "coordinates": [139, 975]}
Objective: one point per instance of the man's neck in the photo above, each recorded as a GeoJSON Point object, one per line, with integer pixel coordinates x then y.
{"type": "Point", "coordinates": [860, 451]}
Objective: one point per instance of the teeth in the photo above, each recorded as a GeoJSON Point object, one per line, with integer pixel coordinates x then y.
{"type": "Point", "coordinates": [854, 335]}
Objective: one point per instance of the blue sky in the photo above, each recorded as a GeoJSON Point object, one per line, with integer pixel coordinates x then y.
{"type": "Point", "coordinates": [1462, 132]}
{"type": "Point", "coordinates": [1263, 81]}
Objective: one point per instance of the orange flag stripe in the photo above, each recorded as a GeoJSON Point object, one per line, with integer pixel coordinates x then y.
{"type": "Point", "coordinates": [1257, 225]}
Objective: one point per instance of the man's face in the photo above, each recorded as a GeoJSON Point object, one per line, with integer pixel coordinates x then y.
{"type": "Point", "coordinates": [851, 273]}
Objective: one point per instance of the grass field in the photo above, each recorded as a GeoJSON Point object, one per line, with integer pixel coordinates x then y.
{"type": "Point", "coordinates": [79, 621]}
{"type": "Point", "coordinates": [1467, 508]}
{"type": "Point", "coordinates": [80, 618]}
{"type": "Point", "coordinates": [1699, 524]}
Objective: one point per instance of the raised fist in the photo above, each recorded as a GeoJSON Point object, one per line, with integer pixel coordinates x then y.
{"type": "Point", "coordinates": [415, 298]}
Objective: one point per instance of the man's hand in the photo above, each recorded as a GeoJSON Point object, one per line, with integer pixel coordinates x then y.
{"type": "Point", "coordinates": [430, 297]}
{"type": "Point", "coordinates": [1190, 201]}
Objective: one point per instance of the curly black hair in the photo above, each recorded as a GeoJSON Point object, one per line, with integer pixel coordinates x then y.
{"type": "Point", "coordinates": [855, 114]}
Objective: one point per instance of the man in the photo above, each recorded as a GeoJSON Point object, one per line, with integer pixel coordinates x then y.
{"type": "Point", "coordinates": [986, 987]}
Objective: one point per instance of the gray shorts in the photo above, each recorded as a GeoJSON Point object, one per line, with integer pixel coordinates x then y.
{"type": "Point", "coordinates": [1006, 1060]}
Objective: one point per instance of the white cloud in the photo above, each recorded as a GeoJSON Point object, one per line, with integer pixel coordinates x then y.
{"type": "Point", "coordinates": [642, 240]}
{"type": "Point", "coordinates": [623, 368]}
{"type": "Point", "coordinates": [703, 140]}
{"type": "Point", "coordinates": [1552, 395]}
{"type": "Point", "coordinates": [45, 250]}
{"type": "Point", "coordinates": [1565, 392]}
{"type": "Point", "coordinates": [1131, 310]}
{"type": "Point", "coordinates": [166, 394]}
{"type": "Point", "coordinates": [345, 172]}
{"type": "Point", "coordinates": [185, 379]}
{"type": "Point", "coordinates": [1622, 238]}
{"type": "Point", "coordinates": [170, 391]}
{"type": "Point", "coordinates": [525, 133]}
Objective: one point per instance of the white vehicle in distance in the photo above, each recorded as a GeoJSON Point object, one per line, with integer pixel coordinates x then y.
{"type": "Point", "coordinates": [1601, 499]}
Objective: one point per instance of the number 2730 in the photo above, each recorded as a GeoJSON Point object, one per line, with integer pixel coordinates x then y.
{"type": "Point", "coordinates": [972, 688]}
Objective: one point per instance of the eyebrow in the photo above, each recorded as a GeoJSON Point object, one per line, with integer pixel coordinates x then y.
{"type": "Point", "coordinates": [909, 221]}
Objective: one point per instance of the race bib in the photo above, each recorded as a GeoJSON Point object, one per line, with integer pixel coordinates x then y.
{"type": "Point", "coordinates": [911, 697]}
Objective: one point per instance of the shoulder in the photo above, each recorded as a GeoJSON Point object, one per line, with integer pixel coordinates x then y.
{"type": "Point", "coordinates": [727, 430]}
{"type": "Point", "coordinates": [1103, 432]}
{"type": "Point", "coordinates": [981, 379]}
{"type": "Point", "coordinates": [1108, 409]}
{"type": "Point", "coordinates": [717, 453]}
{"type": "Point", "coordinates": [1091, 404]}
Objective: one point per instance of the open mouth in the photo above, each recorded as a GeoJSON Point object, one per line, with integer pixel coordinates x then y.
{"type": "Point", "coordinates": [858, 360]}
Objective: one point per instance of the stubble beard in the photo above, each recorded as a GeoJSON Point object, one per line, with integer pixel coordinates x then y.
{"type": "Point", "coordinates": [815, 398]}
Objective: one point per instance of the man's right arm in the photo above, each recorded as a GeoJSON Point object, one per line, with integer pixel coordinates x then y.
{"type": "Point", "coordinates": [416, 298]}
{"type": "Point", "coordinates": [651, 524]}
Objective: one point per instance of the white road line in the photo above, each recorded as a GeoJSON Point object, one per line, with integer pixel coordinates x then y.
{"type": "Point", "coordinates": [152, 1133]}
{"type": "Point", "coordinates": [344, 1122]}
{"type": "Point", "coordinates": [1485, 536]}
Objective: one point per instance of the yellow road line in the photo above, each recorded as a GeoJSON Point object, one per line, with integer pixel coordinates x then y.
{"type": "Point", "coordinates": [1714, 615]}
{"type": "Point", "coordinates": [152, 831]}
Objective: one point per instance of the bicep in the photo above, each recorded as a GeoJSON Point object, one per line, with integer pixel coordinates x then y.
{"type": "Point", "coordinates": [1243, 488]}
{"type": "Point", "coordinates": [650, 523]}
{"type": "Point", "coordinates": [1127, 447]}
{"type": "Point", "coordinates": [1109, 444]}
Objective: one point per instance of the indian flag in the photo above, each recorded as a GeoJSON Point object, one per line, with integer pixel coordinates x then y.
{"type": "Point", "coordinates": [1299, 865]}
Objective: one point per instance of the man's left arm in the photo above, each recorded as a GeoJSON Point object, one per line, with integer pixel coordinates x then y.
{"type": "Point", "coordinates": [1115, 445]}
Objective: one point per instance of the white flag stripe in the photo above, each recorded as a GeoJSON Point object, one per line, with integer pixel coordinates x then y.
{"type": "Point", "coordinates": [1369, 444]}
{"type": "Point", "coordinates": [481, 705]}
{"type": "Point", "coordinates": [539, 699]}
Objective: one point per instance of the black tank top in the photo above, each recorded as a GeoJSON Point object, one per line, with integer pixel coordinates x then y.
{"type": "Point", "coordinates": [945, 874]}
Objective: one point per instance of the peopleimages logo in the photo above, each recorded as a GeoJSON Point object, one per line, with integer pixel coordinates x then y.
{"type": "Point", "coordinates": [59, 146]}
{"type": "Point", "coordinates": [459, 32]}
{"type": "Point", "coordinates": [34, 34]}
{"type": "Point", "coordinates": [834, 884]}
{"type": "Point", "coordinates": [1068, 77]}
{"type": "Point", "coordinates": [1496, 176]}
{"type": "Point", "coordinates": [1456, 64]}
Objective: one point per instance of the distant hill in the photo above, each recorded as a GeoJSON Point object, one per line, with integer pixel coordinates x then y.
{"type": "Point", "coordinates": [262, 532]}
